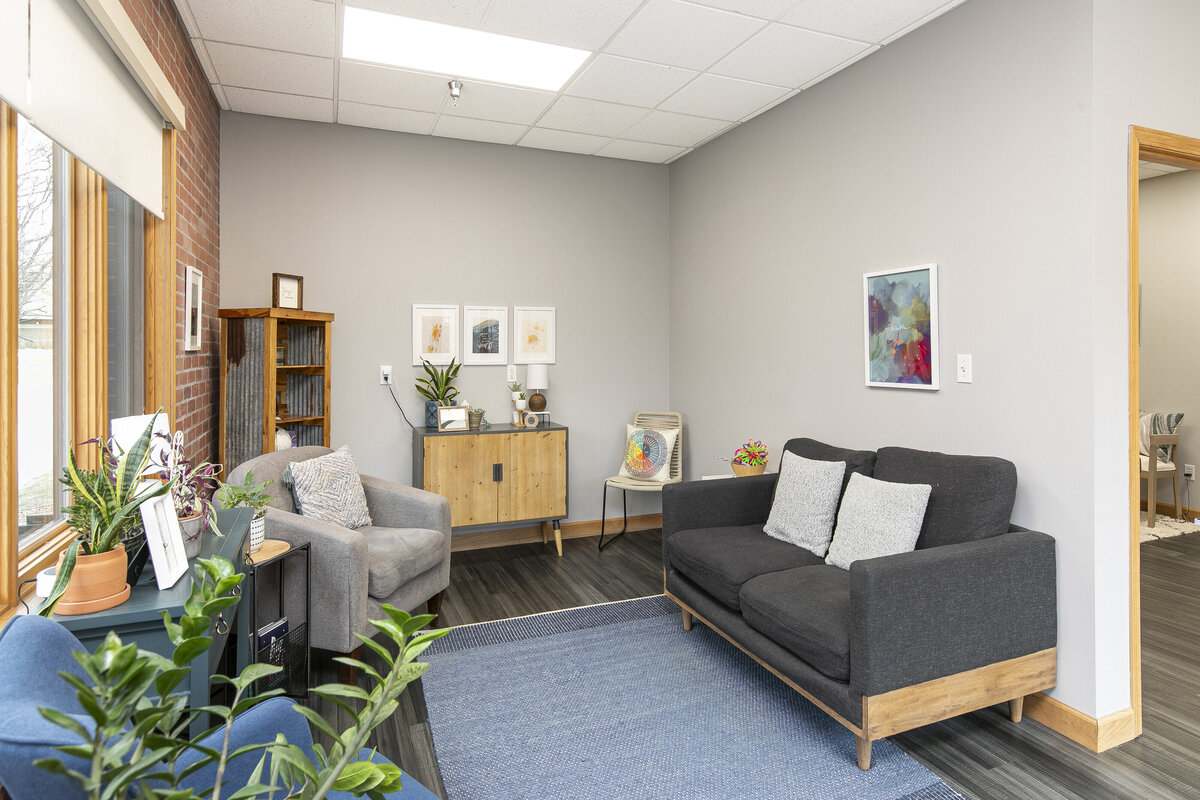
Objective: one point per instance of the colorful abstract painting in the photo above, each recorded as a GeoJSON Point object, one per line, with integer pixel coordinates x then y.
{"type": "Point", "coordinates": [901, 335]}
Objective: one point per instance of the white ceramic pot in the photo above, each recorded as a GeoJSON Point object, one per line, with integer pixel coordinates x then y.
{"type": "Point", "coordinates": [193, 529]}
{"type": "Point", "coordinates": [516, 396]}
{"type": "Point", "coordinates": [521, 404]}
{"type": "Point", "coordinates": [258, 532]}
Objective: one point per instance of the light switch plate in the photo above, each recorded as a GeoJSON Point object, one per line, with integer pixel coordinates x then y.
{"type": "Point", "coordinates": [512, 372]}
{"type": "Point", "coordinates": [964, 368]}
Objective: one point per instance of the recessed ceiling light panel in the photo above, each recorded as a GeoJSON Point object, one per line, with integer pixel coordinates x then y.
{"type": "Point", "coordinates": [458, 52]}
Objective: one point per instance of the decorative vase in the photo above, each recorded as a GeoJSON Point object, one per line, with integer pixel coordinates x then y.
{"type": "Point", "coordinates": [474, 420]}
{"type": "Point", "coordinates": [258, 531]}
{"type": "Point", "coordinates": [746, 470]}
{"type": "Point", "coordinates": [431, 408]}
{"type": "Point", "coordinates": [283, 439]}
{"type": "Point", "coordinates": [192, 527]}
{"type": "Point", "coordinates": [96, 583]}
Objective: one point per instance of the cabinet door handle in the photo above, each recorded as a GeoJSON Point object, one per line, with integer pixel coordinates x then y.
{"type": "Point", "coordinates": [221, 623]}
{"type": "Point", "coordinates": [497, 472]}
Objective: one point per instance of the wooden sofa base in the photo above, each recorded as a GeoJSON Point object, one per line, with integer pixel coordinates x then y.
{"type": "Point", "coordinates": [925, 703]}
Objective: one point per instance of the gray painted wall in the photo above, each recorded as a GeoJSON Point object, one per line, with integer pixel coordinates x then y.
{"type": "Point", "coordinates": [1169, 267]}
{"type": "Point", "coordinates": [376, 221]}
{"type": "Point", "coordinates": [965, 144]}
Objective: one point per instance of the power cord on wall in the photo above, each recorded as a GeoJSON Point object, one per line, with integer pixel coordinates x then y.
{"type": "Point", "coordinates": [397, 401]}
{"type": "Point", "coordinates": [22, 586]}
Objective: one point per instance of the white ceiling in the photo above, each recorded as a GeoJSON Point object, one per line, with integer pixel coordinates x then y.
{"type": "Point", "coordinates": [665, 76]}
{"type": "Point", "coordinates": [1147, 169]}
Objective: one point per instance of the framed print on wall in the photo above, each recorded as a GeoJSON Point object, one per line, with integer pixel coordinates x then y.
{"type": "Point", "coordinates": [900, 313]}
{"type": "Point", "coordinates": [193, 318]}
{"type": "Point", "coordinates": [434, 333]}
{"type": "Point", "coordinates": [533, 340]}
{"type": "Point", "coordinates": [485, 335]}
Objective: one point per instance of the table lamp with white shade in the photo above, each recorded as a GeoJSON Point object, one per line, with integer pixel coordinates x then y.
{"type": "Point", "coordinates": [536, 377]}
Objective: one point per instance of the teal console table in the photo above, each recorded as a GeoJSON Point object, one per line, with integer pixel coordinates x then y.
{"type": "Point", "coordinates": [139, 619]}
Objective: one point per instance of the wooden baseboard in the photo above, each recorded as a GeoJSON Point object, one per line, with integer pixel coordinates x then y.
{"type": "Point", "coordinates": [1167, 509]}
{"type": "Point", "coordinates": [477, 540]}
{"type": "Point", "coordinates": [1096, 735]}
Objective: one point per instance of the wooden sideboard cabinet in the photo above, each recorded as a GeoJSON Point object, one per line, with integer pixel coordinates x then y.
{"type": "Point", "coordinates": [496, 476]}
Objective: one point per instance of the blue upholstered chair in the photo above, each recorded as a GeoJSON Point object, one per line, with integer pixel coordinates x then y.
{"type": "Point", "coordinates": [33, 650]}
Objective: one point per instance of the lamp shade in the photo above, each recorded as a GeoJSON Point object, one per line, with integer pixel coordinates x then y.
{"type": "Point", "coordinates": [537, 377]}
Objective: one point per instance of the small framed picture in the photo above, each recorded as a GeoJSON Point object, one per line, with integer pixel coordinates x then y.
{"type": "Point", "coordinates": [287, 291]}
{"type": "Point", "coordinates": [165, 540]}
{"type": "Point", "coordinates": [901, 339]}
{"type": "Point", "coordinates": [533, 340]}
{"type": "Point", "coordinates": [193, 320]}
{"type": "Point", "coordinates": [434, 334]}
{"type": "Point", "coordinates": [453, 418]}
{"type": "Point", "coordinates": [485, 335]}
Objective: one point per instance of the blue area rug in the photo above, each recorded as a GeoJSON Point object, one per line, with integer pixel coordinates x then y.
{"type": "Point", "coordinates": [617, 701]}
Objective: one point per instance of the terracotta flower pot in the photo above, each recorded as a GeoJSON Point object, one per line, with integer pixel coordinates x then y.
{"type": "Point", "coordinates": [96, 583]}
{"type": "Point", "coordinates": [746, 470]}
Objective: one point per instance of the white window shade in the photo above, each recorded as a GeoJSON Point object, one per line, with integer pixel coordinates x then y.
{"type": "Point", "coordinates": [14, 54]}
{"type": "Point", "coordinates": [85, 99]}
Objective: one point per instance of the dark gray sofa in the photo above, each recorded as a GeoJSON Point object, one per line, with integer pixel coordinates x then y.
{"type": "Point", "coordinates": [965, 621]}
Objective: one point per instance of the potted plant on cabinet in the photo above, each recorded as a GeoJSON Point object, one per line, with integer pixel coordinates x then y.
{"type": "Point", "coordinates": [192, 490]}
{"type": "Point", "coordinates": [750, 459]}
{"type": "Point", "coordinates": [437, 387]}
{"type": "Point", "coordinates": [250, 495]}
{"type": "Point", "coordinates": [515, 388]}
{"type": "Point", "coordinates": [91, 574]}
{"type": "Point", "coordinates": [520, 401]}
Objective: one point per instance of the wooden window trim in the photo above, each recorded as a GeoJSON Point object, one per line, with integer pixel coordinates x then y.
{"type": "Point", "coordinates": [8, 350]}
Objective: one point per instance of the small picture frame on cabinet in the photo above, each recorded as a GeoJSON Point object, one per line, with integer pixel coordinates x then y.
{"type": "Point", "coordinates": [287, 291]}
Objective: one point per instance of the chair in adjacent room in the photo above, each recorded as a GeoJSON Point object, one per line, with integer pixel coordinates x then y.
{"type": "Point", "coordinates": [1158, 439]}
{"type": "Point", "coordinates": [402, 558]}
{"type": "Point", "coordinates": [669, 421]}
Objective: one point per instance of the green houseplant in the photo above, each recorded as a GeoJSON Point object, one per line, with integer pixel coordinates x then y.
{"type": "Point", "coordinates": [103, 512]}
{"type": "Point", "coordinates": [133, 743]}
{"type": "Point", "coordinates": [438, 389]}
{"type": "Point", "coordinates": [192, 488]}
{"type": "Point", "coordinates": [249, 495]}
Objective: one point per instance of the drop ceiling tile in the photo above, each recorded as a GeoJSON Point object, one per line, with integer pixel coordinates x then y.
{"type": "Point", "coordinates": [682, 34]}
{"type": "Point", "coordinates": [189, 21]}
{"type": "Point", "coordinates": [763, 9]}
{"type": "Point", "coordinates": [386, 86]}
{"type": "Point", "coordinates": [274, 104]}
{"type": "Point", "coordinates": [467, 13]}
{"type": "Point", "coordinates": [388, 119]}
{"type": "Point", "coordinates": [499, 103]}
{"type": "Point", "coordinates": [590, 116]}
{"type": "Point", "coordinates": [210, 72]}
{"type": "Point", "coordinates": [866, 20]}
{"type": "Point", "coordinates": [297, 26]}
{"type": "Point", "coordinates": [785, 56]}
{"type": "Point", "coordinates": [635, 83]}
{"type": "Point", "coordinates": [561, 140]}
{"type": "Point", "coordinates": [270, 70]}
{"type": "Point", "coordinates": [666, 127]}
{"type": "Point", "coordinates": [722, 98]}
{"type": "Point", "coordinates": [640, 151]}
{"type": "Point", "coordinates": [478, 130]}
{"type": "Point", "coordinates": [584, 25]}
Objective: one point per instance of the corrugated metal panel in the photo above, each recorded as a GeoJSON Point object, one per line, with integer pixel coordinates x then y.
{"type": "Point", "coordinates": [244, 391]}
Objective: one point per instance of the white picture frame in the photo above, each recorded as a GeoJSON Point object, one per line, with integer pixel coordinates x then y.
{"type": "Point", "coordinates": [485, 335]}
{"type": "Point", "coordinates": [900, 322]}
{"type": "Point", "coordinates": [533, 335]}
{"type": "Point", "coordinates": [434, 333]}
{"type": "Point", "coordinates": [193, 313]}
{"type": "Point", "coordinates": [165, 540]}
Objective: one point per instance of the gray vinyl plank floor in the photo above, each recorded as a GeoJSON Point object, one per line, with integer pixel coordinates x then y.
{"type": "Point", "coordinates": [981, 754]}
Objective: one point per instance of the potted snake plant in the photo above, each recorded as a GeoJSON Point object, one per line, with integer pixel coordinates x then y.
{"type": "Point", "coordinates": [91, 573]}
{"type": "Point", "coordinates": [438, 389]}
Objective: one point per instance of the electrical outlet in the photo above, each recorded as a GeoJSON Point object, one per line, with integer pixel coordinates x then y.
{"type": "Point", "coordinates": [512, 372]}
{"type": "Point", "coordinates": [1189, 471]}
{"type": "Point", "coordinates": [964, 369]}
{"type": "Point", "coordinates": [385, 375]}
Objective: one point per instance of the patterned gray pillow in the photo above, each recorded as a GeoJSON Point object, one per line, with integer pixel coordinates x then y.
{"type": "Point", "coordinates": [328, 488]}
{"type": "Point", "coordinates": [806, 499]}
{"type": "Point", "coordinates": [877, 518]}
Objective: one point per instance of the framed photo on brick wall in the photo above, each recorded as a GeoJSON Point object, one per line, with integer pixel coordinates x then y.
{"type": "Point", "coordinates": [193, 315]}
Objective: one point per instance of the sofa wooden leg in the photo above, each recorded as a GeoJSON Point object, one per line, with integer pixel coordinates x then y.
{"type": "Point", "coordinates": [687, 620]}
{"type": "Point", "coordinates": [434, 604]}
{"type": "Point", "coordinates": [349, 674]}
{"type": "Point", "coordinates": [1015, 707]}
{"type": "Point", "coordinates": [864, 752]}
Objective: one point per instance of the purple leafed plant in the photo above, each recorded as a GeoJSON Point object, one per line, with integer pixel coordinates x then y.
{"type": "Point", "coordinates": [194, 483]}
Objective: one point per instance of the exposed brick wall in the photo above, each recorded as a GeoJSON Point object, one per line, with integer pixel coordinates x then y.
{"type": "Point", "coordinates": [198, 241]}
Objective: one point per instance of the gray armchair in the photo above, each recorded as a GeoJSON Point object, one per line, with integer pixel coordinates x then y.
{"type": "Point", "coordinates": [403, 559]}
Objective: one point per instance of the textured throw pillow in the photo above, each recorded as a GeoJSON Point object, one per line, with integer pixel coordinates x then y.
{"type": "Point", "coordinates": [806, 500]}
{"type": "Point", "coordinates": [648, 454]}
{"type": "Point", "coordinates": [328, 488]}
{"type": "Point", "coordinates": [877, 518]}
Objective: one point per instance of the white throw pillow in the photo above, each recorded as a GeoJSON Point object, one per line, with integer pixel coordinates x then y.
{"type": "Point", "coordinates": [648, 454]}
{"type": "Point", "coordinates": [806, 500]}
{"type": "Point", "coordinates": [328, 488]}
{"type": "Point", "coordinates": [877, 518]}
